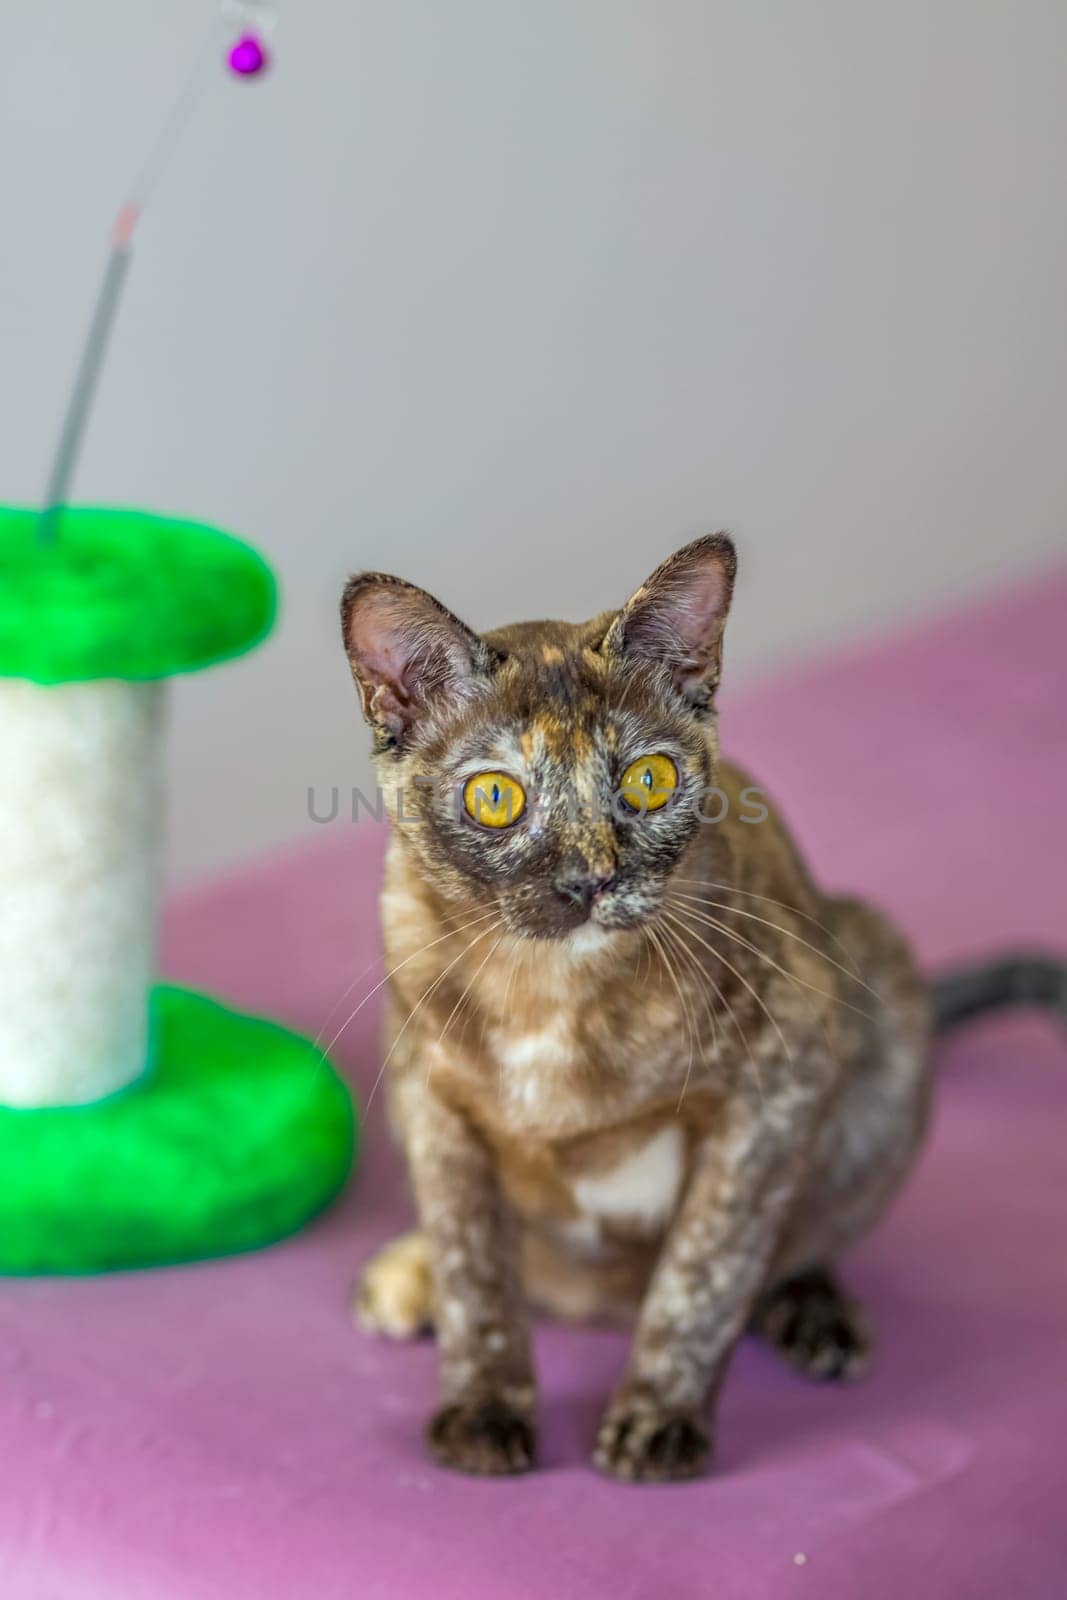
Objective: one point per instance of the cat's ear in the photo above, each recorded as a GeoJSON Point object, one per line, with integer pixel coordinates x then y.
{"type": "Point", "coordinates": [677, 617]}
{"type": "Point", "coordinates": [406, 651]}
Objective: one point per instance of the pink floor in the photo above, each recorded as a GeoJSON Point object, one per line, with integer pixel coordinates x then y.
{"type": "Point", "coordinates": [221, 1432]}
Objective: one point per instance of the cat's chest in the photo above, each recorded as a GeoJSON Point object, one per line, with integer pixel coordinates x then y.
{"type": "Point", "coordinates": [566, 1065]}
{"type": "Point", "coordinates": [543, 1071]}
{"type": "Point", "coordinates": [579, 1145]}
{"type": "Point", "coordinates": [597, 1129]}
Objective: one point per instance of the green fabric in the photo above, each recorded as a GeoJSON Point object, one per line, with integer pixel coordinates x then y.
{"type": "Point", "coordinates": [241, 1132]}
{"type": "Point", "coordinates": [124, 594]}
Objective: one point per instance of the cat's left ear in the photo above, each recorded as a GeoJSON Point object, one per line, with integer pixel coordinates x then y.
{"type": "Point", "coordinates": [677, 618]}
{"type": "Point", "coordinates": [407, 652]}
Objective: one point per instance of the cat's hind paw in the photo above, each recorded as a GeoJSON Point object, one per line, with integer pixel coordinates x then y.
{"type": "Point", "coordinates": [394, 1294]}
{"type": "Point", "coordinates": [813, 1324]}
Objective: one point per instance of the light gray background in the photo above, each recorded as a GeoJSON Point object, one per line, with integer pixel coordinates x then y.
{"type": "Point", "coordinates": [513, 297]}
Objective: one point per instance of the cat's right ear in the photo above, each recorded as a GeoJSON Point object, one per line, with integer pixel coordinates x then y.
{"type": "Point", "coordinates": [676, 618]}
{"type": "Point", "coordinates": [406, 651]}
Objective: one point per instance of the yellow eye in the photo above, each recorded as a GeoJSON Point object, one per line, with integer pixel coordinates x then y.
{"type": "Point", "coordinates": [494, 799]}
{"type": "Point", "coordinates": [648, 783]}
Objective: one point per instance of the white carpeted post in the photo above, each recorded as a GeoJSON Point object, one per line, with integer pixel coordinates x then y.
{"type": "Point", "coordinates": [81, 792]}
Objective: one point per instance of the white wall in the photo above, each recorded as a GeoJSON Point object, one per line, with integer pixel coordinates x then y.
{"type": "Point", "coordinates": [513, 297]}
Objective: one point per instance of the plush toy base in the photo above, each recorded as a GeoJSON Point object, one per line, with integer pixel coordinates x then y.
{"type": "Point", "coordinates": [240, 1134]}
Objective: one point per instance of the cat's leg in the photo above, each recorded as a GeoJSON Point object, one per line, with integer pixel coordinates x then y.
{"type": "Point", "coordinates": [810, 1321]}
{"type": "Point", "coordinates": [867, 1139]}
{"type": "Point", "coordinates": [714, 1261]}
{"type": "Point", "coordinates": [394, 1293]}
{"type": "Point", "coordinates": [486, 1423]}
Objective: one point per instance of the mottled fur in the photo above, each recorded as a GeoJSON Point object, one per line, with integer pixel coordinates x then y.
{"type": "Point", "coordinates": [672, 1099]}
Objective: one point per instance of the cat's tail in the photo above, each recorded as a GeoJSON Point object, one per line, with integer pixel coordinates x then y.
{"type": "Point", "coordinates": [1023, 979]}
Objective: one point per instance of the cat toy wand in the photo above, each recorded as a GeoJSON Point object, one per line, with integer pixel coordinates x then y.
{"type": "Point", "coordinates": [247, 57]}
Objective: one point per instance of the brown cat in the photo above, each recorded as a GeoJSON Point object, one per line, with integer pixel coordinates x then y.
{"type": "Point", "coordinates": [642, 1067]}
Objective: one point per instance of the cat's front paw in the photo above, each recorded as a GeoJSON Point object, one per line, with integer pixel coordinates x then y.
{"type": "Point", "coordinates": [643, 1441]}
{"type": "Point", "coordinates": [485, 1437]}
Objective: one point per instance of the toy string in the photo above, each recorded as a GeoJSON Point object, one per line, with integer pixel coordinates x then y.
{"type": "Point", "coordinates": [109, 294]}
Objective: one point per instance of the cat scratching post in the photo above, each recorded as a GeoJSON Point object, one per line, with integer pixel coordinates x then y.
{"type": "Point", "coordinates": [81, 798]}
{"type": "Point", "coordinates": [137, 1125]}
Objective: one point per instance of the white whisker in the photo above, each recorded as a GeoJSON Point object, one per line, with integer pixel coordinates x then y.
{"type": "Point", "coordinates": [703, 973]}
{"type": "Point", "coordinates": [746, 944]}
{"type": "Point", "coordinates": [665, 957]}
{"type": "Point", "coordinates": [399, 967]}
{"type": "Point", "coordinates": [721, 905]}
{"type": "Point", "coordinates": [783, 905]}
{"type": "Point", "coordinates": [742, 980]}
{"type": "Point", "coordinates": [470, 985]}
{"type": "Point", "coordinates": [420, 1002]}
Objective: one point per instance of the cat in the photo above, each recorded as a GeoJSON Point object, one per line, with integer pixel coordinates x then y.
{"type": "Point", "coordinates": [643, 1069]}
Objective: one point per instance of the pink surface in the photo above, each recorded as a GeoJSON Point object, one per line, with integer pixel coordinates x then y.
{"type": "Point", "coordinates": [221, 1433]}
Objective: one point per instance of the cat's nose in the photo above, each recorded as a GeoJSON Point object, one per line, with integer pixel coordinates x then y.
{"type": "Point", "coordinates": [583, 888]}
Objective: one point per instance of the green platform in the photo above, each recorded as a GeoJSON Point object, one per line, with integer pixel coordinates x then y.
{"type": "Point", "coordinates": [125, 594]}
{"type": "Point", "coordinates": [239, 1134]}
